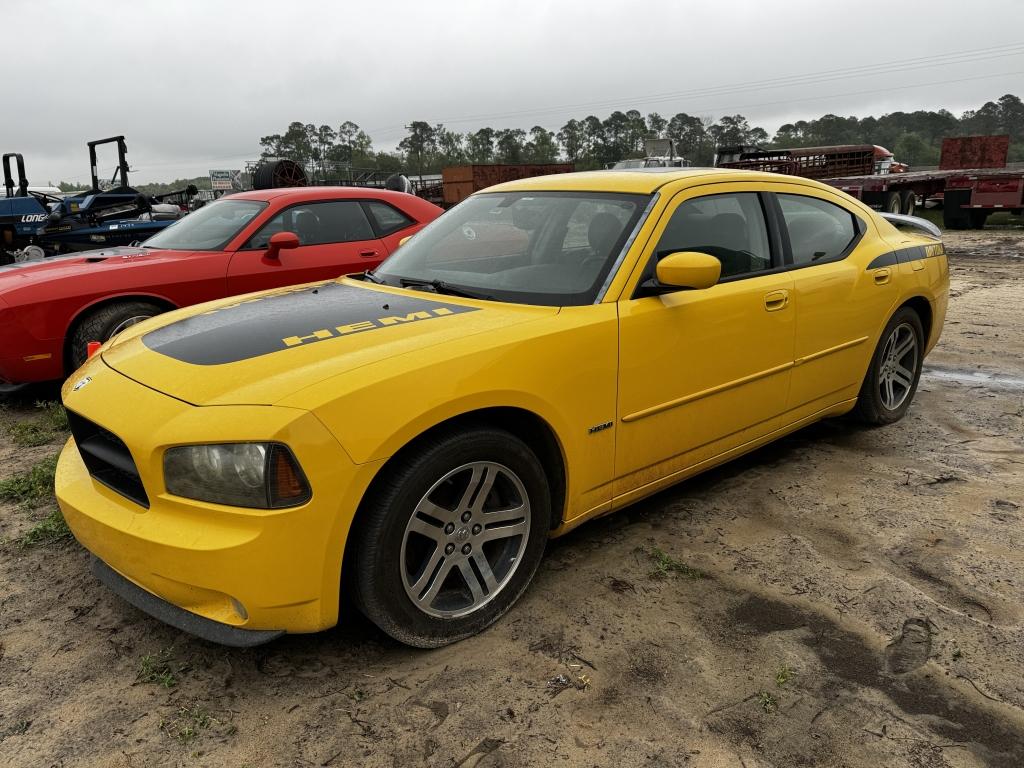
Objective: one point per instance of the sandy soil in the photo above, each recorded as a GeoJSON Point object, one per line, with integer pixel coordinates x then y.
{"type": "Point", "coordinates": [862, 604]}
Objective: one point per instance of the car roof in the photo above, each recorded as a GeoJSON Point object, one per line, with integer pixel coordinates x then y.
{"type": "Point", "coordinates": [644, 181]}
{"type": "Point", "coordinates": [301, 194]}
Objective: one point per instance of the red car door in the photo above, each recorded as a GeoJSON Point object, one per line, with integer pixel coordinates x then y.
{"type": "Point", "coordinates": [335, 238]}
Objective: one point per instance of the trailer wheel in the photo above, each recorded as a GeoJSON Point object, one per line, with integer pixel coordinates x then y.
{"type": "Point", "coordinates": [908, 202]}
{"type": "Point", "coordinates": [272, 174]}
{"type": "Point", "coordinates": [893, 204]}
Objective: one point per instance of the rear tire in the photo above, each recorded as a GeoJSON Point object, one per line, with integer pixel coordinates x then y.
{"type": "Point", "coordinates": [892, 204]}
{"type": "Point", "coordinates": [104, 323]}
{"type": "Point", "coordinates": [895, 369]}
{"type": "Point", "coordinates": [451, 537]}
{"type": "Point", "coordinates": [908, 203]}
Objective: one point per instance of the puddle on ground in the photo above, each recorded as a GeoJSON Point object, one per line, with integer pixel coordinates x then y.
{"type": "Point", "coordinates": [975, 378]}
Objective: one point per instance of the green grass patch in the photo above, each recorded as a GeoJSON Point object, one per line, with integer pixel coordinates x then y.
{"type": "Point", "coordinates": [33, 487]}
{"type": "Point", "coordinates": [665, 565]}
{"type": "Point", "coordinates": [51, 528]}
{"type": "Point", "coordinates": [187, 724]}
{"type": "Point", "coordinates": [53, 415]}
{"type": "Point", "coordinates": [50, 425]}
{"type": "Point", "coordinates": [29, 434]}
{"type": "Point", "coordinates": [767, 702]}
{"type": "Point", "coordinates": [783, 676]}
{"type": "Point", "coordinates": [160, 669]}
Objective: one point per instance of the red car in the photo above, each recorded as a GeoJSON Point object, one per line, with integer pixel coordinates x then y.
{"type": "Point", "coordinates": [51, 309]}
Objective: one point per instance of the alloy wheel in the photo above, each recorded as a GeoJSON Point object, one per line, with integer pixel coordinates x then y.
{"type": "Point", "coordinates": [898, 366]}
{"type": "Point", "coordinates": [465, 539]}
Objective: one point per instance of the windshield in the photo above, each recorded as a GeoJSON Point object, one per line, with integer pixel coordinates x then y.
{"type": "Point", "coordinates": [209, 229]}
{"type": "Point", "coordinates": [545, 248]}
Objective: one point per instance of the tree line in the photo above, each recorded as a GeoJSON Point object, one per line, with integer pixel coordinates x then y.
{"type": "Point", "coordinates": [592, 142]}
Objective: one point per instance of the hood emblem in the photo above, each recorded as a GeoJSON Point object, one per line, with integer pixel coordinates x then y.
{"type": "Point", "coordinates": [81, 383]}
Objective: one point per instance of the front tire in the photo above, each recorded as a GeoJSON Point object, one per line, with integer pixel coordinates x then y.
{"type": "Point", "coordinates": [451, 537]}
{"type": "Point", "coordinates": [105, 323]}
{"type": "Point", "coordinates": [895, 370]}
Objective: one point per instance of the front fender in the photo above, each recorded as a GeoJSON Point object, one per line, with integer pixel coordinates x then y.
{"type": "Point", "coordinates": [565, 374]}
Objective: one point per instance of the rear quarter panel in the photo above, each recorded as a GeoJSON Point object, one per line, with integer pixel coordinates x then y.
{"type": "Point", "coordinates": [923, 272]}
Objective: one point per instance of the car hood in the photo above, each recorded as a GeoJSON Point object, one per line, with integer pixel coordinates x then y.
{"type": "Point", "coordinates": [261, 348]}
{"type": "Point", "coordinates": [24, 273]}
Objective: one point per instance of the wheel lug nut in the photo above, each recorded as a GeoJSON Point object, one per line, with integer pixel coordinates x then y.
{"type": "Point", "coordinates": [477, 528]}
{"type": "Point", "coordinates": [466, 516]}
{"type": "Point", "coordinates": [449, 549]}
{"type": "Point", "coordinates": [466, 549]}
{"type": "Point", "coordinates": [449, 528]}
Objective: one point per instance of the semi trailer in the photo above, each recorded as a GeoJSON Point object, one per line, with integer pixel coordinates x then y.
{"type": "Point", "coordinates": [972, 180]}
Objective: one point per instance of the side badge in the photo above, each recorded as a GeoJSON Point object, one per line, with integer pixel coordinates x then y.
{"type": "Point", "coordinates": [600, 427]}
{"type": "Point", "coordinates": [81, 383]}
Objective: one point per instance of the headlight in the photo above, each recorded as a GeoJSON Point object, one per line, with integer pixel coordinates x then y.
{"type": "Point", "coordinates": [259, 475]}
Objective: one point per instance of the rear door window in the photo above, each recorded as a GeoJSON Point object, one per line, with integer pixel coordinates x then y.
{"type": "Point", "coordinates": [818, 230]}
{"type": "Point", "coordinates": [388, 219]}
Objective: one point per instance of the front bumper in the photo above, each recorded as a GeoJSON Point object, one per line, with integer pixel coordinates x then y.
{"type": "Point", "coordinates": [192, 623]}
{"type": "Point", "coordinates": [244, 569]}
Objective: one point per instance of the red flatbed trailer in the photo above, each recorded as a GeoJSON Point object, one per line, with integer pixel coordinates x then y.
{"type": "Point", "coordinates": [969, 195]}
{"type": "Point", "coordinates": [972, 179]}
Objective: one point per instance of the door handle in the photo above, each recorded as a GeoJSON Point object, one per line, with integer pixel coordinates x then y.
{"type": "Point", "coordinates": [776, 300]}
{"type": "Point", "coordinates": [882, 276]}
{"type": "Point", "coordinates": [368, 254]}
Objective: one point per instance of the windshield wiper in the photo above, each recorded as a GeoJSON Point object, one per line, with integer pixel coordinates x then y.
{"type": "Point", "coordinates": [440, 286]}
{"type": "Point", "coordinates": [368, 275]}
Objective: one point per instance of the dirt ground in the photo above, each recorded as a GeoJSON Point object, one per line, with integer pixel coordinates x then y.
{"type": "Point", "coordinates": [845, 597]}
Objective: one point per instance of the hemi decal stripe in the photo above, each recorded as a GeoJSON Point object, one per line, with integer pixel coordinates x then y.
{"type": "Point", "coordinates": [295, 318]}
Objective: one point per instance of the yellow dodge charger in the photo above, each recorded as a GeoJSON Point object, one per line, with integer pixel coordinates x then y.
{"type": "Point", "coordinates": [548, 351]}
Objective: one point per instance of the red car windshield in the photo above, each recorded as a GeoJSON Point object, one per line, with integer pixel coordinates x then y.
{"type": "Point", "coordinates": [210, 228]}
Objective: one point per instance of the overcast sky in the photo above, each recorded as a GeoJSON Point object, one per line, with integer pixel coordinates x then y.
{"type": "Point", "coordinates": [194, 84]}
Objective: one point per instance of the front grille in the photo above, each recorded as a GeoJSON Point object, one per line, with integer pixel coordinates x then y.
{"type": "Point", "coordinates": [108, 459]}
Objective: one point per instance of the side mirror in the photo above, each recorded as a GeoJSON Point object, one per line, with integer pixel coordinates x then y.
{"type": "Point", "coordinates": [281, 241]}
{"type": "Point", "coordinates": [688, 269]}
